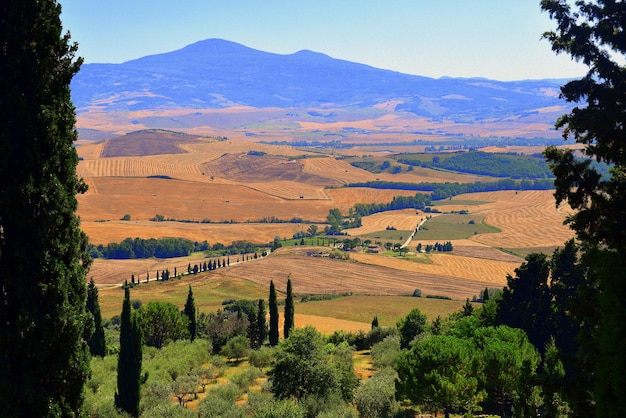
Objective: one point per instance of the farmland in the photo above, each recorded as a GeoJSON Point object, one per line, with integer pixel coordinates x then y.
{"type": "Point", "coordinates": [235, 189]}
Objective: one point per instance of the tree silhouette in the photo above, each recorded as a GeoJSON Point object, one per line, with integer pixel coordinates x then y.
{"type": "Point", "coordinates": [289, 311]}
{"type": "Point", "coordinates": [43, 253]}
{"type": "Point", "coordinates": [273, 307]}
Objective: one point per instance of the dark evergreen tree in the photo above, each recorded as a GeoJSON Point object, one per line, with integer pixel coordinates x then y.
{"type": "Point", "coordinates": [44, 358]}
{"type": "Point", "coordinates": [252, 328]}
{"type": "Point", "coordinates": [593, 32]}
{"type": "Point", "coordinates": [273, 307]}
{"type": "Point", "coordinates": [468, 308]}
{"type": "Point", "coordinates": [190, 311]}
{"type": "Point", "coordinates": [485, 295]}
{"type": "Point", "coordinates": [289, 311]}
{"type": "Point", "coordinates": [261, 324]}
{"type": "Point", "coordinates": [375, 322]}
{"type": "Point", "coordinates": [129, 361]}
{"type": "Point", "coordinates": [97, 342]}
{"type": "Point", "coordinates": [526, 301]}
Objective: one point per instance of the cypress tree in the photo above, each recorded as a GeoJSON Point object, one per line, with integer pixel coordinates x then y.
{"type": "Point", "coordinates": [261, 324]}
{"type": "Point", "coordinates": [190, 311]}
{"type": "Point", "coordinates": [129, 361]}
{"type": "Point", "coordinates": [252, 328]}
{"type": "Point", "coordinates": [97, 342]}
{"type": "Point", "coordinates": [273, 306]}
{"type": "Point", "coordinates": [485, 295]}
{"type": "Point", "coordinates": [375, 322]}
{"type": "Point", "coordinates": [44, 358]}
{"type": "Point", "coordinates": [289, 311]}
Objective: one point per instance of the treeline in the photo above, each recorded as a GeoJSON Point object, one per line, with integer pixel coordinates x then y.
{"type": "Point", "coordinates": [488, 164]}
{"type": "Point", "coordinates": [263, 220]}
{"type": "Point", "coordinates": [437, 246]}
{"type": "Point", "coordinates": [166, 248]}
{"type": "Point", "coordinates": [419, 201]}
{"type": "Point", "coordinates": [441, 191]}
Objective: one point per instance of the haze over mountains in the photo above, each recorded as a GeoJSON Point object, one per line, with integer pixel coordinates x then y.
{"type": "Point", "coordinates": [214, 73]}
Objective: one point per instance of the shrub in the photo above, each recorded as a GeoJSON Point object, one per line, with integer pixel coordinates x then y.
{"type": "Point", "coordinates": [375, 397]}
{"type": "Point", "coordinates": [261, 358]}
{"type": "Point", "coordinates": [384, 353]}
{"type": "Point", "coordinates": [417, 293]}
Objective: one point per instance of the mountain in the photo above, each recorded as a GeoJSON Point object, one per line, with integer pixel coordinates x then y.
{"type": "Point", "coordinates": [216, 73]}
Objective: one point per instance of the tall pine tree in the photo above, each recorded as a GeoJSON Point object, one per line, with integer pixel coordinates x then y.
{"type": "Point", "coordinates": [97, 342]}
{"type": "Point", "coordinates": [190, 311]}
{"type": "Point", "coordinates": [129, 360]}
{"type": "Point", "coordinates": [44, 358]}
{"type": "Point", "coordinates": [273, 306]}
{"type": "Point", "coordinates": [289, 311]}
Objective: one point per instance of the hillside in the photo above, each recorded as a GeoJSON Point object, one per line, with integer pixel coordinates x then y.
{"type": "Point", "coordinates": [183, 89]}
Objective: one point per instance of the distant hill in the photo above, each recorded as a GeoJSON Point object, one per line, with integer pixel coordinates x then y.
{"type": "Point", "coordinates": [215, 74]}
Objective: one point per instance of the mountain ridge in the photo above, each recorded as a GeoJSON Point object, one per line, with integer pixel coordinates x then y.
{"type": "Point", "coordinates": [216, 73]}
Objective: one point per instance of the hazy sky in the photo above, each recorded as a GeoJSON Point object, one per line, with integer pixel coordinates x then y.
{"type": "Point", "coordinates": [497, 39]}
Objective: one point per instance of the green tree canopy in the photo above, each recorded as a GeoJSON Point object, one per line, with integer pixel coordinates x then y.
{"type": "Point", "coordinates": [162, 322]}
{"type": "Point", "coordinates": [438, 372]}
{"type": "Point", "coordinates": [301, 367]}
{"type": "Point", "coordinates": [411, 326]}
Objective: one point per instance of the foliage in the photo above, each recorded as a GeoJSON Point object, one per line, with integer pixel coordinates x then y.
{"type": "Point", "coordinates": [221, 326]}
{"type": "Point", "coordinates": [262, 357]}
{"type": "Point", "coordinates": [489, 164]}
{"type": "Point", "coordinates": [97, 342]}
{"type": "Point", "coordinates": [440, 191]}
{"type": "Point", "coordinates": [43, 258]}
{"type": "Point", "coordinates": [257, 330]}
{"type": "Point", "coordinates": [376, 397]}
{"type": "Point", "coordinates": [301, 367]}
{"type": "Point", "coordinates": [162, 322]}
{"type": "Point", "coordinates": [129, 361]}
{"type": "Point", "coordinates": [236, 348]}
{"type": "Point", "coordinates": [190, 313]}
{"type": "Point", "coordinates": [593, 32]}
{"type": "Point", "coordinates": [412, 325]}
{"type": "Point", "coordinates": [385, 353]}
{"type": "Point", "coordinates": [288, 324]}
{"type": "Point", "coordinates": [419, 201]}
{"type": "Point", "coordinates": [273, 308]}
{"type": "Point", "coordinates": [438, 372]}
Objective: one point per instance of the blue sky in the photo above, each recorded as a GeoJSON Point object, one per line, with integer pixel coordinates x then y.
{"type": "Point", "coordinates": [497, 39]}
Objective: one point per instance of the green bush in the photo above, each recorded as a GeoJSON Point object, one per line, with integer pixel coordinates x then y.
{"type": "Point", "coordinates": [261, 358]}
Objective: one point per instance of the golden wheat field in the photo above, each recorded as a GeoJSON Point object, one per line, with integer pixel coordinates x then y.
{"type": "Point", "coordinates": [227, 190]}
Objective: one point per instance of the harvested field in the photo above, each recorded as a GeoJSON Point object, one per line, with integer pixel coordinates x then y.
{"type": "Point", "coordinates": [319, 275]}
{"type": "Point", "coordinates": [448, 265]}
{"type": "Point", "coordinates": [116, 231]}
{"type": "Point", "coordinates": [328, 324]}
{"type": "Point", "coordinates": [291, 190]}
{"type": "Point", "coordinates": [405, 219]}
{"type": "Point", "coordinates": [388, 309]}
{"type": "Point", "coordinates": [526, 219]}
{"type": "Point", "coordinates": [348, 196]}
{"type": "Point", "coordinates": [249, 168]}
